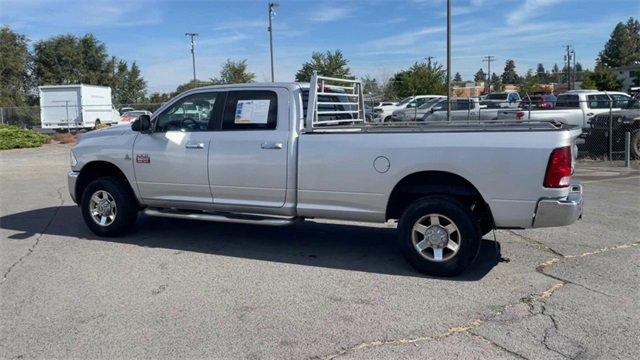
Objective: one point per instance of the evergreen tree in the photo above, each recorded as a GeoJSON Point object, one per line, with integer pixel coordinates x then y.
{"type": "Point", "coordinates": [480, 76]}
{"type": "Point", "coordinates": [621, 49]}
{"type": "Point", "coordinates": [457, 78]}
{"type": "Point", "coordinates": [496, 83]}
{"type": "Point", "coordinates": [509, 76]}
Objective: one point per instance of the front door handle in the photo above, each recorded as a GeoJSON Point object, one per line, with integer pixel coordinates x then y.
{"type": "Point", "coordinates": [195, 146]}
{"type": "Point", "coordinates": [271, 146]}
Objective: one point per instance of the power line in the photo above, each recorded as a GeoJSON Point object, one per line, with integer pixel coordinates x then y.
{"type": "Point", "coordinates": [488, 59]}
{"type": "Point", "coordinates": [193, 52]}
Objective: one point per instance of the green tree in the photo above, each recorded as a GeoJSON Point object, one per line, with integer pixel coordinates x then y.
{"type": "Point", "coordinates": [480, 76]}
{"type": "Point", "coordinates": [457, 78]}
{"type": "Point", "coordinates": [420, 79]}
{"type": "Point", "coordinates": [326, 64]}
{"type": "Point", "coordinates": [370, 85]}
{"type": "Point", "coordinates": [529, 83]}
{"type": "Point", "coordinates": [496, 83]}
{"type": "Point", "coordinates": [623, 46]}
{"type": "Point", "coordinates": [602, 78]}
{"type": "Point", "coordinates": [15, 78]}
{"type": "Point", "coordinates": [191, 85]}
{"type": "Point", "coordinates": [234, 72]}
{"type": "Point", "coordinates": [509, 76]}
{"type": "Point", "coordinates": [578, 70]}
{"type": "Point", "coordinates": [68, 59]}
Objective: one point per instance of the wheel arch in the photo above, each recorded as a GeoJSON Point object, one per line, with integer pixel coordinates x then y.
{"type": "Point", "coordinates": [96, 169]}
{"type": "Point", "coordinates": [424, 183]}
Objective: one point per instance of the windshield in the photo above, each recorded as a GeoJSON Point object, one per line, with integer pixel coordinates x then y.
{"type": "Point", "coordinates": [429, 103]}
{"type": "Point", "coordinates": [405, 100]}
{"type": "Point", "coordinates": [498, 96]}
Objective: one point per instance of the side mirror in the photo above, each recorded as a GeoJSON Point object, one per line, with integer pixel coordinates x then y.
{"type": "Point", "coordinates": [142, 124]}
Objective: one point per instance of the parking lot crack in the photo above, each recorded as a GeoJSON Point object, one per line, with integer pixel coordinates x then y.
{"type": "Point", "coordinates": [496, 345]}
{"type": "Point", "coordinates": [536, 243]}
{"type": "Point", "coordinates": [38, 238]}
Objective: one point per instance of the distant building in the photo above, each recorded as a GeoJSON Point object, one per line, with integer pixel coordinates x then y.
{"type": "Point", "coordinates": [629, 76]}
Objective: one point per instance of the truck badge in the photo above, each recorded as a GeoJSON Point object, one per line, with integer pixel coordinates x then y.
{"type": "Point", "coordinates": [143, 159]}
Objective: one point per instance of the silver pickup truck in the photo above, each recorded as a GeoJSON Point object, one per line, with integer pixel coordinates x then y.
{"type": "Point", "coordinates": [277, 153]}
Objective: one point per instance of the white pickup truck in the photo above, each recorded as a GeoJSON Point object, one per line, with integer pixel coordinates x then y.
{"type": "Point", "coordinates": [278, 153]}
{"type": "Point", "coordinates": [575, 107]}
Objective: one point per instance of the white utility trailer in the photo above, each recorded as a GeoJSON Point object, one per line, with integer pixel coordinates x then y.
{"type": "Point", "coordinates": [66, 107]}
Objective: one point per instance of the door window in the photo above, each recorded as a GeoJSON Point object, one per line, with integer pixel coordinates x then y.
{"type": "Point", "coordinates": [568, 102]}
{"type": "Point", "coordinates": [250, 110]}
{"type": "Point", "coordinates": [191, 113]}
{"type": "Point", "coordinates": [620, 101]}
{"type": "Point", "coordinates": [598, 101]}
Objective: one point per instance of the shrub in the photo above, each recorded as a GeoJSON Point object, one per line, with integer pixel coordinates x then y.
{"type": "Point", "coordinates": [13, 137]}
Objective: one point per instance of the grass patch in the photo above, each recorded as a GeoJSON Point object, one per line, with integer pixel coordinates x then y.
{"type": "Point", "coordinates": [13, 137]}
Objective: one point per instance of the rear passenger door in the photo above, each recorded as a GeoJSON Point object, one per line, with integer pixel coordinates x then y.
{"type": "Point", "coordinates": [248, 154]}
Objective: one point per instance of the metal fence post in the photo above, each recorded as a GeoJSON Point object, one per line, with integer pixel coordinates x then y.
{"type": "Point", "coordinates": [610, 136]}
{"type": "Point", "coordinates": [627, 149]}
{"type": "Point", "coordinates": [2, 116]}
{"type": "Point", "coordinates": [66, 107]}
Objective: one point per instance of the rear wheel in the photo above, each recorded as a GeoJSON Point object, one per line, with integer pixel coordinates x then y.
{"type": "Point", "coordinates": [438, 236]}
{"type": "Point", "coordinates": [97, 124]}
{"type": "Point", "coordinates": [108, 207]}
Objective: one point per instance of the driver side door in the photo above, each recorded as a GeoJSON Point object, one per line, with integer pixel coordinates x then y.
{"type": "Point", "coordinates": [171, 162]}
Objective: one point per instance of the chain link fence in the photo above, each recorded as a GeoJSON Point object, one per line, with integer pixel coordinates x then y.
{"type": "Point", "coordinates": [611, 126]}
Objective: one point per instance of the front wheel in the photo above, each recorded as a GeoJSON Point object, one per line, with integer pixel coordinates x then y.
{"type": "Point", "coordinates": [438, 236]}
{"type": "Point", "coordinates": [108, 207]}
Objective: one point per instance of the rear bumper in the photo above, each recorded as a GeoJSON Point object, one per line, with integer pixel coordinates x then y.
{"type": "Point", "coordinates": [72, 178]}
{"type": "Point", "coordinates": [559, 212]}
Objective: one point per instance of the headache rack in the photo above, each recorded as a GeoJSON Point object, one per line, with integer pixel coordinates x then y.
{"type": "Point", "coordinates": [323, 110]}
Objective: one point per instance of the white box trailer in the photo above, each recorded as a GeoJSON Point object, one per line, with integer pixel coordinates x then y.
{"type": "Point", "coordinates": [76, 106]}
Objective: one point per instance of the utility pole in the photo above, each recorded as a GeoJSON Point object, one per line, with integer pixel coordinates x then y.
{"type": "Point", "coordinates": [272, 12]}
{"type": "Point", "coordinates": [193, 52]}
{"type": "Point", "coordinates": [429, 58]}
{"type": "Point", "coordinates": [568, 57]}
{"type": "Point", "coordinates": [488, 59]}
{"type": "Point", "coordinates": [449, 60]}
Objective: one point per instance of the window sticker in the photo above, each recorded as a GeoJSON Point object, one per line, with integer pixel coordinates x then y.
{"type": "Point", "coordinates": [252, 111]}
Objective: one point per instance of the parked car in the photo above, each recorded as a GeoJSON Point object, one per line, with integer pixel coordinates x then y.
{"type": "Point", "coordinates": [385, 113]}
{"type": "Point", "coordinates": [131, 116]}
{"type": "Point", "coordinates": [411, 114]}
{"type": "Point", "coordinates": [386, 103]}
{"type": "Point", "coordinates": [505, 99]}
{"type": "Point", "coordinates": [260, 156]}
{"type": "Point", "coordinates": [461, 109]}
{"type": "Point", "coordinates": [575, 107]}
{"type": "Point", "coordinates": [538, 102]}
{"type": "Point", "coordinates": [622, 121]}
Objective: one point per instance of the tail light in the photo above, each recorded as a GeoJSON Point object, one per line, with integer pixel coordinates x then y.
{"type": "Point", "coordinates": [559, 169]}
{"type": "Point", "coordinates": [519, 115]}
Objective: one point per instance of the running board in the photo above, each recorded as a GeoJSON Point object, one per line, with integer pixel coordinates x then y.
{"type": "Point", "coordinates": [240, 219]}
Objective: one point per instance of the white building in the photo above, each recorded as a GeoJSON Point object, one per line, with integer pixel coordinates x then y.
{"type": "Point", "coordinates": [629, 75]}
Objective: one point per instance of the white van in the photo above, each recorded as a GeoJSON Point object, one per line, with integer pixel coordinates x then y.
{"type": "Point", "coordinates": [76, 107]}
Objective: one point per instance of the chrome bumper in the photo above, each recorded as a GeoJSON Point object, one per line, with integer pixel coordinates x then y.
{"type": "Point", "coordinates": [72, 177]}
{"type": "Point", "coordinates": [559, 212]}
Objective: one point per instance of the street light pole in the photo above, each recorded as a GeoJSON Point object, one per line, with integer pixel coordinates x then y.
{"type": "Point", "coordinates": [272, 12]}
{"type": "Point", "coordinates": [489, 59]}
{"type": "Point", "coordinates": [193, 53]}
{"type": "Point", "coordinates": [448, 60]}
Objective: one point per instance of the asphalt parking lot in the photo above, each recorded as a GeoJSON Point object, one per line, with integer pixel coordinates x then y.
{"type": "Point", "coordinates": [176, 289]}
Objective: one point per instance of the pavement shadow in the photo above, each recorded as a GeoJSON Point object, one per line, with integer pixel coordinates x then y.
{"type": "Point", "coordinates": [337, 246]}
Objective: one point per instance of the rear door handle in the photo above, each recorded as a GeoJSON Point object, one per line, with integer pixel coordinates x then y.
{"type": "Point", "coordinates": [195, 146]}
{"type": "Point", "coordinates": [271, 146]}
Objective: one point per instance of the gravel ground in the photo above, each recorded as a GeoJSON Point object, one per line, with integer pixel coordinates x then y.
{"type": "Point", "coordinates": [185, 289]}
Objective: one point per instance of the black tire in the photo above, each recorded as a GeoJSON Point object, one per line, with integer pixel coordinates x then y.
{"type": "Point", "coordinates": [126, 207]}
{"type": "Point", "coordinates": [97, 123]}
{"type": "Point", "coordinates": [387, 119]}
{"type": "Point", "coordinates": [635, 144]}
{"type": "Point", "coordinates": [468, 236]}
